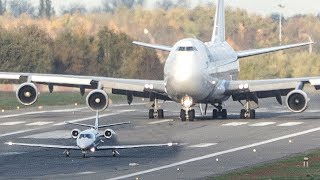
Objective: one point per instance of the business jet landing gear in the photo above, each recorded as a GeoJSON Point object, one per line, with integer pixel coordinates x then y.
{"type": "Point", "coordinates": [67, 153]}
{"type": "Point", "coordinates": [155, 112]}
{"type": "Point", "coordinates": [115, 153]}
{"type": "Point", "coordinates": [188, 114]}
{"type": "Point", "coordinates": [248, 112]}
{"type": "Point", "coordinates": [219, 112]}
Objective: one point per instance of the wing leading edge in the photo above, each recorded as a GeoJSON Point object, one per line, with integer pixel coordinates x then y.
{"type": "Point", "coordinates": [44, 145]}
{"type": "Point", "coordinates": [254, 52]}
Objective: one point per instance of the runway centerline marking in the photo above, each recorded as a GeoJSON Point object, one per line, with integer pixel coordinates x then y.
{"type": "Point", "coordinates": [235, 124]}
{"type": "Point", "coordinates": [262, 124]}
{"type": "Point", "coordinates": [203, 145]}
{"type": "Point", "coordinates": [290, 124]}
{"type": "Point", "coordinates": [12, 123]}
{"type": "Point", "coordinates": [217, 154]}
{"type": "Point", "coordinates": [161, 121]}
{"type": "Point", "coordinates": [39, 123]}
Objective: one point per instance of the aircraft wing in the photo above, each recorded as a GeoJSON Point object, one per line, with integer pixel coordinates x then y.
{"type": "Point", "coordinates": [253, 52]}
{"type": "Point", "coordinates": [44, 146]}
{"type": "Point", "coordinates": [135, 146]}
{"type": "Point", "coordinates": [153, 46]}
{"type": "Point", "coordinates": [134, 87]}
{"type": "Point", "coordinates": [255, 89]}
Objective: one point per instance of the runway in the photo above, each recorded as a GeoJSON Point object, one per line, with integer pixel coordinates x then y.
{"type": "Point", "coordinates": [207, 147]}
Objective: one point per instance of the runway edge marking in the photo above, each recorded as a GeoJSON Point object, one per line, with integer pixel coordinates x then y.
{"type": "Point", "coordinates": [217, 154]}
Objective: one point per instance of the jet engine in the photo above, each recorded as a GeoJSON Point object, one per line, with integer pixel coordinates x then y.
{"type": "Point", "coordinates": [97, 100]}
{"type": "Point", "coordinates": [109, 133]}
{"type": "Point", "coordinates": [27, 94]}
{"type": "Point", "coordinates": [75, 133]}
{"type": "Point", "coordinates": [297, 101]}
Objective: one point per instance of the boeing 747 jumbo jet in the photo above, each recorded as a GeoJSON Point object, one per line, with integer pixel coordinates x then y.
{"type": "Point", "coordinates": [195, 72]}
{"type": "Point", "coordinates": [90, 140]}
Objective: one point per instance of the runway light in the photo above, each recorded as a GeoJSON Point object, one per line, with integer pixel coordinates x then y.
{"type": "Point", "coordinates": [76, 104]}
{"type": "Point", "coordinates": [178, 169]}
{"type": "Point", "coordinates": [40, 107]}
{"type": "Point", "coordinates": [290, 141]}
{"type": "Point", "coordinates": [18, 107]}
{"type": "Point", "coordinates": [2, 110]}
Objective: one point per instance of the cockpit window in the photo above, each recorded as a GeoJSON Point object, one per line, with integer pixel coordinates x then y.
{"type": "Point", "coordinates": [88, 136]}
{"type": "Point", "coordinates": [189, 48]}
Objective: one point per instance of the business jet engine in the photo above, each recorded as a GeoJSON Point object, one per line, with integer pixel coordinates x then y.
{"type": "Point", "coordinates": [109, 133]}
{"type": "Point", "coordinates": [27, 94]}
{"type": "Point", "coordinates": [297, 101]}
{"type": "Point", "coordinates": [75, 133]}
{"type": "Point", "coordinates": [97, 100]}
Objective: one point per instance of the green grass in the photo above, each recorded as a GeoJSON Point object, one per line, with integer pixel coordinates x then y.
{"type": "Point", "coordinates": [287, 168]}
{"type": "Point", "coordinates": [8, 100]}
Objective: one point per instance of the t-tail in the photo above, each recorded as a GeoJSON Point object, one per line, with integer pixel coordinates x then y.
{"type": "Point", "coordinates": [218, 34]}
{"type": "Point", "coordinates": [96, 124]}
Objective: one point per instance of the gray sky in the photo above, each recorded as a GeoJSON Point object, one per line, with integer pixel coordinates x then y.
{"type": "Point", "coordinates": [264, 7]}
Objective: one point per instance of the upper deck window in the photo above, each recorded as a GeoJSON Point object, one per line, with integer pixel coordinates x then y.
{"type": "Point", "coordinates": [189, 48]}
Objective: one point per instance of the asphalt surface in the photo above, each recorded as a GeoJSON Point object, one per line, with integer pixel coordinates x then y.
{"type": "Point", "coordinates": [207, 147]}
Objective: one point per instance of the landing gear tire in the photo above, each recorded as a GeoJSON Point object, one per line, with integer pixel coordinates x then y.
{"type": "Point", "coordinates": [250, 114]}
{"type": "Point", "coordinates": [215, 114]}
{"type": "Point", "coordinates": [183, 115]}
{"type": "Point", "coordinates": [84, 155]}
{"type": "Point", "coordinates": [192, 115]}
{"type": "Point", "coordinates": [224, 114]}
{"type": "Point", "coordinates": [160, 114]}
{"type": "Point", "coordinates": [151, 113]}
{"type": "Point", "coordinates": [67, 154]}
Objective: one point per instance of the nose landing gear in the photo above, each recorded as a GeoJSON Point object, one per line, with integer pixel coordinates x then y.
{"type": "Point", "coordinates": [219, 112]}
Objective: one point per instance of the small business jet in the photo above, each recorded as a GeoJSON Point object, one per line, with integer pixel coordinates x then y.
{"type": "Point", "coordinates": [90, 140]}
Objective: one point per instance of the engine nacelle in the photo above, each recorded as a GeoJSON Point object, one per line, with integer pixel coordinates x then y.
{"type": "Point", "coordinates": [75, 133]}
{"type": "Point", "coordinates": [97, 100]}
{"type": "Point", "coordinates": [27, 94]}
{"type": "Point", "coordinates": [109, 133]}
{"type": "Point", "coordinates": [297, 101]}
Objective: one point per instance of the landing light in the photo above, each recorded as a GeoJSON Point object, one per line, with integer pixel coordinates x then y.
{"type": "Point", "coordinates": [93, 149]}
{"type": "Point", "coordinates": [187, 102]}
{"type": "Point", "coordinates": [10, 143]}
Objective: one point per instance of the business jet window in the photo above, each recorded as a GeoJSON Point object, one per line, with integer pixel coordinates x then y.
{"type": "Point", "coordinates": [190, 48]}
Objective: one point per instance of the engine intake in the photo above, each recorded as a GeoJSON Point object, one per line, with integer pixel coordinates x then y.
{"type": "Point", "coordinates": [109, 133]}
{"type": "Point", "coordinates": [297, 101]}
{"type": "Point", "coordinates": [27, 94]}
{"type": "Point", "coordinates": [97, 100]}
{"type": "Point", "coordinates": [75, 133]}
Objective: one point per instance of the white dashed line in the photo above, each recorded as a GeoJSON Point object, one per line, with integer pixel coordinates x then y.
{"type": "Point", "coordinates": [235, 124]}
{"type": "Point", "coordinates": [203, 145]}
{"type": "Point", "coordinates": [161, 121]}
{"type": "Point", "coordinates": [39, 123]}
{"type": "Point", "coordinates": [261, 124]}
{"type": "Point", "coordinates": [12, 123]}
{"type": "Point", "coordinates": [290, 124]}
{"type": "Point", "coordinates": [208, 156]}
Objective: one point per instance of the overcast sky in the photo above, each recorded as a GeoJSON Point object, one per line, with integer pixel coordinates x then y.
{"type": "Point", "coordinates": [264, 7]}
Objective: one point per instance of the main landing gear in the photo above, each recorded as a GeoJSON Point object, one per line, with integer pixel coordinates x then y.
{"type": "Point", "coordinates": [155, 112]}
{"type": "Point", "coordinates": [248, 112]}
{"type": "Point", "coordinates": [219, 112]}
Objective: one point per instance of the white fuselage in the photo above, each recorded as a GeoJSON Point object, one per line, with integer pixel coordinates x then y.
{"type": "Point", "coordinates": [88, 140]}
{"type": "Point", "coordinates": [200, 70]}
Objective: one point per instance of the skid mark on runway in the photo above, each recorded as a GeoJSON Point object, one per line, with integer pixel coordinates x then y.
{"type": "Point", "coordinates": [39, 123]}
{"type": "Point", "coordinates": [12, 123]}
{"type": "Point", "coordinates": [261, 124]}
{"type": "Point", "coordinates": [216, 154]}
{"type": "Point", "coordinates": [161, 121]}
{"type": "Point", "coordinates": [60, 134]}
{"type": "Point", "coordinates": [235, 124]}
{"type": "Point", "coordinates": [290, 124]}
{"type": "Point", "coordinates": [202, 145]}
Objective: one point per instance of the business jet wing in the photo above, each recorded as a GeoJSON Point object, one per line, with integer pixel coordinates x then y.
{"type": "Point", "coordinates": [44, 146]}
{"type": "Point", "coordinates": [135, 146]}
{"type": "Point", "coordinates": [240, 90]}
{"type": "Point", "coordinates": [254, 52]}
{"type": "Point", "coordinates": [136, 87]}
